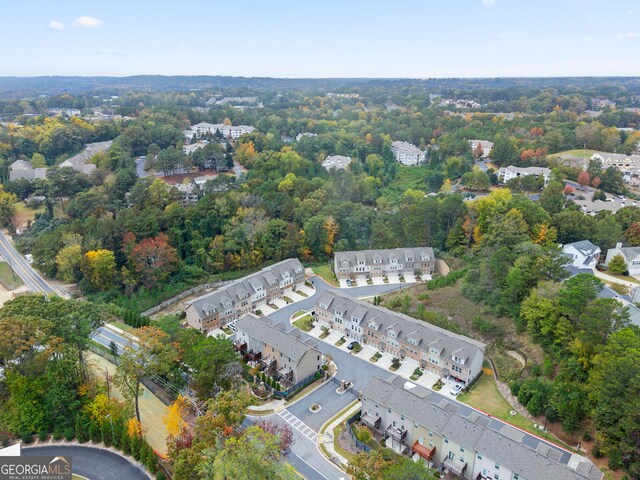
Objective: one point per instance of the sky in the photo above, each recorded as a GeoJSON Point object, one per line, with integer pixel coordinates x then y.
{"type": "Point", "coordinates": [321, 38]}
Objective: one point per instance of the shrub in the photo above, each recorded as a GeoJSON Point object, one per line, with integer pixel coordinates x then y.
{"type": "Point", "coordinates": [586, 436]}
{"type": "Point", "coordinates": [43, 436]}
{"type": "Point", "coordinates": [618, 265]}
{"type": "Point", "coordinates": [161, 476]}
{"type": "Point", "coordinates": [26, 437]}
{"type": "Point", "coordinates": [615, 458]}
{"type": "Point", "coordinates": [57, 434]}
{"type": "Point", "coordinates": [362, 434]}
{"type": "Point", "coordinates": [487, 327]}
{"type": "Point", "coordinates": [69, 434]}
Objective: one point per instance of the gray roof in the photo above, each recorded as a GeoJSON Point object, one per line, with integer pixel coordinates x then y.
{"type": "Point", "coordinates": [287, 341]}
{"type": "Point", "coordinates": [519, 451]}
{"type": "Point", "coordinates": [417, 253]}
{"type": "Point", "coordinates": [449, 343]}
{"type": "Point", "coordinates": [20, 165]}
{"type": "Point", "coordinates": [406, 148]}
{"type": "Point", "coordinates": [90, 150]}
{"type": "Point", "coordinates": [584, 246]}
{"type": "Point", "coordinates": [246, 286]}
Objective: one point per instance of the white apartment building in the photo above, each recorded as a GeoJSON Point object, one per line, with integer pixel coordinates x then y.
{"type": "Point", "coordinates": [407, 154]}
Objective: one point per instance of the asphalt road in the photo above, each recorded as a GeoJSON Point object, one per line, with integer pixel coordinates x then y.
{"type": "Point", "coordinates": [93, 463]}
{"type": "Point", "coordinates": [140, 163]}
{"type": "Point", "coordinates": [21, 267]}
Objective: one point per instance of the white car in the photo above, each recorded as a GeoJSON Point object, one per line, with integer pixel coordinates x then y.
{"type": "Point", "coordinates": [457, 388]}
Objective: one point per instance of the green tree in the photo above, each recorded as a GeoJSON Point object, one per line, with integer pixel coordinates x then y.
{"type": "Point", "coordinates": [618, 265]}
{"type": "Point", "coordinates": [154, 355]}
{"type": "Point", "coordinates": [632, 235]}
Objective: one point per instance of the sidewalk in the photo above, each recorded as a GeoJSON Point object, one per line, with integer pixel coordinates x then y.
{"type": "Point", "coordinates": [326, 439]}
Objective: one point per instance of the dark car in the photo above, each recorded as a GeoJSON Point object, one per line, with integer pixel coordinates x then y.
{"type": "Point", "coordinates": [351, 345]}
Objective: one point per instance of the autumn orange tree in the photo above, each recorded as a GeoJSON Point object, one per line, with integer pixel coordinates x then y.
{"type": "Point", "coordinates": [153, 260]}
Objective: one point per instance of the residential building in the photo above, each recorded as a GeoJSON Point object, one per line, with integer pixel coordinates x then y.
{"type": "Point", "coordinates": [631, 256]}
{"type": "Point", "coordinates": [436, 350]}
{"type": "Point", "coordinates": [592, 207]}
{"type": "Point", "coordinates": [583, 254]}
{"type": "Point", "coordinates": [618, 160]}
{"type": "Point", "coordinates": [305, 134]}
{"type": "Point", "coordinates": [507, 173]}
{"type": "Point", "coordinates": [187, 149]}
{"type": "Point", "coordinates": [394, 262]}
{"type": "Point", "coordinates": [407, 154]}
{"type": "Point", "coordinates": [281, 348]}
{"type": "Point", "coordinates": [24, 169]}
{"type": "Point", "coordinates": [80, 162]}
{"type": "Point", "coordinates": [339, 162]}
{"type": "Point", "coordinates": [242, 296]}
{"type": "Point", "coordinates": [227, 131]}
{"type": "Point", "coordinates": [468, 443]}
{"type": "Point", "coordinates": [485, 144]}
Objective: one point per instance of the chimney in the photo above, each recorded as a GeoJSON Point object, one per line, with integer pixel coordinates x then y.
{"type": "Point", "coordinates": [619, 245]}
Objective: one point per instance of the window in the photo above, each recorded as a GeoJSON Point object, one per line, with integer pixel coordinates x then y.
{"type": "Point", "coordinates": [496, 477]}
{"type": "Point", "coordinates": [415, 425]}
{"type": "Point", "coordinates": [479, 457]}
{"type": "Point", "coordinates": [401, 417]}
{"type": "Point", "coordinates": [388, 410]}
{"type": "Point", "coordinates": [446, 441]}
{"type": "Point", "coordinates": [497, 467]}
{"type": "Point", "coordinates": [431, 434]}
{"type": "Point", "coordinates": [462, 449]}
{"type": "Point", "coordinates": [515, 476]}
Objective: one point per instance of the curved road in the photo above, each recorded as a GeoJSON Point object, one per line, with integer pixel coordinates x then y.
{"type": "Point", "coordinates": [92, 463]}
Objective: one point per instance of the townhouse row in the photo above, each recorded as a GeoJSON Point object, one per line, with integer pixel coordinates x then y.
{"type": "Point", "coordinates": [436, 350]}
{"type": "Point", "coordinates": [454, 437]}
{"type": "Point", "coordinates": [245, 295]}
{"type": "Point", "coordinates": [394, 262]}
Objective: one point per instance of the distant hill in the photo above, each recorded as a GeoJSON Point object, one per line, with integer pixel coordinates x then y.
{"type": "Point", "coordinates": [19, 87]}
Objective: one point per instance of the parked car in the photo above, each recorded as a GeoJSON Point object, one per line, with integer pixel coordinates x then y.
{"type": "Point", "coordinates": [349, 283]}
{"type": "Point", "coordinates": [457, 388]}
{"type": "Point", "coordinates": [351, 345]}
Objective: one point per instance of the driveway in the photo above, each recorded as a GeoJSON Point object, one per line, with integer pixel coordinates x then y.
{"type": "Point", "coordinates": [280, 302]}
{"type": "Point", "coordinates": [296, 297]}
{"type": "Point", "coordinates": [266, 309]}
{"type": "Point", "coordinates": [378, 280]}
{"type": "Point", "coordinates": [91, 462]}
{"type": "Point", "coordinates": [343, 283]}
{"type": "Point", "coordinates": [309, 291]}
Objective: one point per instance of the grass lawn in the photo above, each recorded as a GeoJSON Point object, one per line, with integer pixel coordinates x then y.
{"type": "Point", "coordinates": [298, 313]}
{"type": "Point", "coordinates": [625, 278]}
{"type": "Point", "coordinates": [341, 341]}
{"type": "Point", "coordinates": [485, 396]}
{"type": "Point", "coordinates": [7, 277]}
{"type": "Point", "coordinates": [327, 274]}
{"type": "Point", "coordinates": [336, 445]}
{"type": "Point", "coordinates": [305, 323]}
{"type": "Point", "coordinates": [24, 214]}
{"type": "Point", "coordinates": [581, 153]}
{"type": "Point", "coordinates": [122, 326]}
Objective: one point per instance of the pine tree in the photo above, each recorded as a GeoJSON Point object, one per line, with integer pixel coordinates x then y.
{"type": "Point", "coordinates": [107, 436]}
{"type": "Point", "coordinates": [125, 444]}
{"type": "Point", "coordinates": [81, 430]}
{"type": "Point", "coordinates": [135, 447]}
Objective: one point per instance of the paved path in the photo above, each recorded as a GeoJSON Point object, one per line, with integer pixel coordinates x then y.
{"type": "Point", "coordinates": [91, 462]}
{"type": "Point", "coordinates": [19, 264]}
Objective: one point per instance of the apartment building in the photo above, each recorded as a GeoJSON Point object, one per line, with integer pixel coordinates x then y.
{"type": "Point", "coordinates": [245, 295]}
{"type": "Point", "coordinates": [394, 262]}
{"type": "Point", "coordinates": [227, 131]}
{"type": "Point", "coordinates": [507, 173]}
{"type": "Point", "coordinates": [436, 350]}
{"type": "Point", "coordinates": [486, 146]}
{"type": "Point", "coordinates": [281, 348]}
{"type": "Point", "coordinates": [407, 154]}
{"type": "Point", "coordinates": [464, 441]}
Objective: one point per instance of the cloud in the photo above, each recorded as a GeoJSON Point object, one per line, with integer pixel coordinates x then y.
{"type": "Point", "coordinates": [628, 35]}
{"type": "Point", "coordinates": [86, 22]}
{"type": "Point", "coordinates": [489, 3]}
{"type": "Point", "coordinates": [56, 25]}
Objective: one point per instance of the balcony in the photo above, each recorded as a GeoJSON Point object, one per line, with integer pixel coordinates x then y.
{"type": "Point", "coordinates": [397, 434]}
{"type": "Point", "coordinates": [454, 467]}
{"type": "Point", "coordinates": [253, 356]}
{"type": "Point", "coordinates": [240, 346]}
{"type": "Point", "coordinates": [424, 451]}
{"type": "Point", "coordinates": [371, 422]}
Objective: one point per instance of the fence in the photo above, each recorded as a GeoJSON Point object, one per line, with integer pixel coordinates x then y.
{"type": "Point", "coordinates": [185, 294]}
{"type": "Point", "coordinates": [358, 443]}
{"type": "Point", "coordinates": [291, 391]}
{"type": "Point", "coordinates": [339, 383]}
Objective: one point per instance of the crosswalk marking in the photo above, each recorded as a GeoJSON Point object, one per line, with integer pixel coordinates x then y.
{"type": "Point", "coordinates": [299, 425]}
